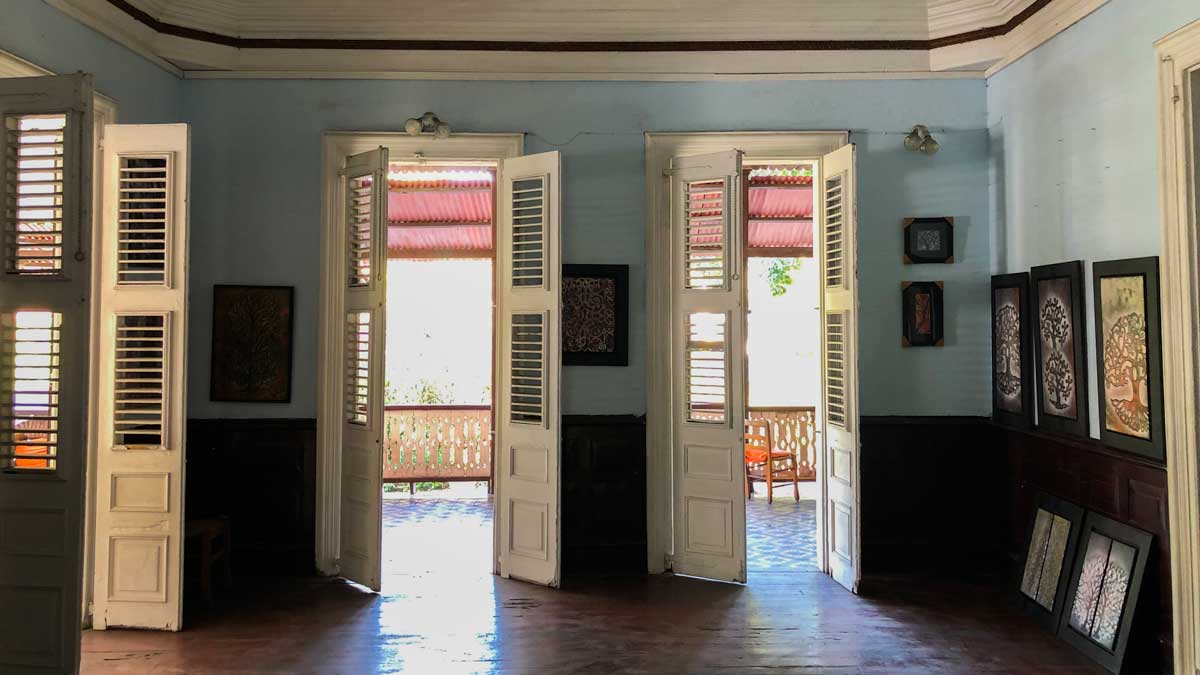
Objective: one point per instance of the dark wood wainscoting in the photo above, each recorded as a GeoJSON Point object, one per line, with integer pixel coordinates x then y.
{"type": "Point", "coordinates": [954, 495]}
{"type": "Point", "coordinates": [934, 496]}
{"type": "Point", "coordinates": [603, 494]}
{"type": "Point", "coordinates": [1116, 484]}
{"type": "Point", "coordinates": [260, 473]}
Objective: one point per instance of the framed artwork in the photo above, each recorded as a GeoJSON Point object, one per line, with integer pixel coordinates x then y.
{"type": "Point", "coordinates": [922, 313]}
{"type": "Point", "coordinates": [1049, 558]}
{"type": "Point", "coordinates": [1104, 588]}
{"type": "Point", "coordinates": [595, 312]}
{"type": "Point", "coordinates": [928, 240]}
{"type": "Point", "coordinates": [1129, 356]}
{"type": "Point", "coordinates": [1012, 351]}
{"type": "Point", "coordinates": [252, 344]}
{"type": "Point", "coordinates": [1060, 347]}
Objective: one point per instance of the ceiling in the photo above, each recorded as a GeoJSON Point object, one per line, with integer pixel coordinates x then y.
{"type": "Point", "coordinates": [559, 39]}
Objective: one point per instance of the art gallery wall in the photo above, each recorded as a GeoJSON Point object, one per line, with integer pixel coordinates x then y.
{"type": "Point", "coordinates": [1071, 128]}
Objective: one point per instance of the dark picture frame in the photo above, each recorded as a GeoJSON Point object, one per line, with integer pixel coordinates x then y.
{"type": "Point", "coordinates": [1012, 341]}
{"type": "Point", "coordinates": [252, 344]}
{"type": "Point", "coordinates": [1112, 558]}
{"type": "Point", "coordinates": [594, 333]}
{"type": "Point", "coordinates": [1060, 347]}
{"type": "Point", "coordinates": [922, 314]}
{"type": "Point", "coordinates": [1129, 345]}
{"type": "Point", "coordinates": [1051, 542]}
{"type": "Point", "coordinates": [928, 241]}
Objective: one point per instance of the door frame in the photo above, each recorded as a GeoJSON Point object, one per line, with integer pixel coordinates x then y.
{"type": "Point", "coordinates": [1178, 58]}
{"type": "Point", "coordinates": [335, 146]}
{"type": "Point", "coordinates": [660, 148]}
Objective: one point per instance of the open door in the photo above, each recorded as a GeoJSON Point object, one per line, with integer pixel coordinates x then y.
{"type": "Point", "coordinates": [45, 282]}
{"type": "Point", "coordinates": [365, 191]}
{"type": "Point", "coordinates": [708, 365]}
{"type": "Point", "coordinates": [142, 371]}
{"type": "Point", "coordinates": [839, 283]}
{"type": "Point", "coordinates": [529, 362]}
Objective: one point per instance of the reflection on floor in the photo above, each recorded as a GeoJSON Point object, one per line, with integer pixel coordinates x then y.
{"type": "Point", "coordinates": [478, 623]}
{"type": "Point", "coordinates": [424, 536]}
{"type": "Point", "coordinates": [781, 536]}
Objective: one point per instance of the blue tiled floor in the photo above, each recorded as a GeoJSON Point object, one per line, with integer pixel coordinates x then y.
{"type": "Point", "coordinates": [427, 536]}
{"type": "Point", "coordinates": [782, 536]}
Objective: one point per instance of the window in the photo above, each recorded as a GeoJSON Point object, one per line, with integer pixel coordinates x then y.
{"type": "Point", "coordinates": [30, 353]}
{"type": "Point", "coordinates": [33, 208]}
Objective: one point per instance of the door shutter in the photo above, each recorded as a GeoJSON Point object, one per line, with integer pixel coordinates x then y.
{"type": "Point", "coordinates": [365, 195]}
{"type": "Point", "coordinates": [527, 500]}
{"type": "Point", "coordinates": [45, 215]}
{"type": "Point", "coordinates": [839, 284]}
{"type": "Point", "coordinates": [708, 361]}
{"type": "Point", "coordinates": [141, 368]}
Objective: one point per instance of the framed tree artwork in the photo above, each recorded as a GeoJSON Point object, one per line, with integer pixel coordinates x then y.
{"type": "Point", "coordinates": [1060, 347]}
{"type": "Point", "coordinates": [1012, 351]}
{"type": "Point", "coordinates": [922, 314]}
{"type": "Point", "coordinates": [1103, 592]}
{"type": "Point", "coordinates": [928, 240]}
{"type": "Point", "coordinates": [595, 312]}
{"type": "Point", "coordinates": [1129, 356]}
{"type": "Point", "coordinates": [1049, 558]}
{"type": "Point", "coordinates": [251, 344]}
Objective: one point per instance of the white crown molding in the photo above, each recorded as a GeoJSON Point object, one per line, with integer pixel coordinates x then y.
{"type": "Point", "coordinates": [124, 29]}
{"type": "Point", "coordinates": [951, 17]}
{"type": "Point", "coordinates": [994, 54]}
{"type": "Point", "coordinates": [199, 59]}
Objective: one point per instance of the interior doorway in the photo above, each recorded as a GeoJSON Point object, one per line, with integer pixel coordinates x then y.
{"type": "Point", "coordinates": [439, 359]}
{"type": "Point", "coordinates": [783, 374]}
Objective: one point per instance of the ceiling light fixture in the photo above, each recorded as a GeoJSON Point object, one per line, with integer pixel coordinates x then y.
{"type": "Point", "coordinates": [919, 139]}
{"type": "Point", "coordinates": [427, 124]}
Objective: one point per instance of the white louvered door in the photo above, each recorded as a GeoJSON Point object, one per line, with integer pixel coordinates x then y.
{"type": "Point", "coordinates": [708, 368]}
{"type": "Point", "coordinates": [142, 371]}
{"type": "Point", "coordinates": [45, 215]}
{"type": "Point", "coordinates": [839, 284]}
{"type": "Point", "coordinates": [365, 197]}
{"type": "Point", "coordinates": [527, 504]}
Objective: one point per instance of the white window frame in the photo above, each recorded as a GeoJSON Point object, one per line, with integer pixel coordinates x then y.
{"type": "Point", "coordinates": [335, 147]}
{"type": "Point", "coordinates": [1179, 175]}
{"type": "Point", "coordinates": [660, 148]}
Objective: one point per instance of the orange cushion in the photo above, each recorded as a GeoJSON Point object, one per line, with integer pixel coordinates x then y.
{"type": "Point", "coordinates": [759, 455]}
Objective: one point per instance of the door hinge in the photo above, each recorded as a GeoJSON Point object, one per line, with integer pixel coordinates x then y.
{"type": "Point", "coordinates": [668, 562]}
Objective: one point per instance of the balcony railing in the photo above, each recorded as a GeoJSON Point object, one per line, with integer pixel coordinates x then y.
{"type": "Point", "coordinates": [437, 443]}
{"type": "Point", "coordinates": [793, 429]}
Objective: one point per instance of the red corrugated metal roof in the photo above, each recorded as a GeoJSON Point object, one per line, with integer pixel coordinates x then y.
{"type": "Point", "coordinates": [789, 201]}
{"type": "Point", "coordinates": [439, 209]}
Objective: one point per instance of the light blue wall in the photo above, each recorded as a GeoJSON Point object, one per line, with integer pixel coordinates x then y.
{"type": "Point", "coordinates": [256, 192]}
{"type": "Point", "coordinates": [1073, 127]}
{"type": "Point", "coordinates": [42, 35]}
{"type": "Point", "coordinates": [256, 212]}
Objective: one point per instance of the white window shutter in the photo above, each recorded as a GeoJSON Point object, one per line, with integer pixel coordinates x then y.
{"type": "Point", "coordinates": [142, 374]}
{"type": "Point", "coordinates": [46, 145]}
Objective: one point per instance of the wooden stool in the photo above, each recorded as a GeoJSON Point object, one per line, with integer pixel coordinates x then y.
{"type": "Point", "coordinates": [209, 531]}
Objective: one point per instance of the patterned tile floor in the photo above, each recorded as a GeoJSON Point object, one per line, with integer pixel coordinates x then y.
{"type": "Point", "coordinates": [782, 536]}
{"type": "Point", "coordinates": [430, 536]}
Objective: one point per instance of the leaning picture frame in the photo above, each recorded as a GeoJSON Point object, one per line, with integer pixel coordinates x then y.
{"type": "Point", "coordinates": [1060, 347]}
{"type": "Point", "coordinates": [1012, 351]}
{"type": "Point", "coordinates": [1051, 542]}
{"type": "Point", "coordinates": [1105, 584]}
{"type": "Point", "coordinates": [1129, 356]}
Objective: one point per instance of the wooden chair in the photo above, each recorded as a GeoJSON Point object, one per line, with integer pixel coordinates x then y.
{"type": "Point", "coordinates": [210, 531]}
{"type": "Point", "coordinates": [764, 463]}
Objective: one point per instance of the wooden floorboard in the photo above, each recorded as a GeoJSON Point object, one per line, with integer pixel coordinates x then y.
{"type": "Point", "coordinates": [779, 623]}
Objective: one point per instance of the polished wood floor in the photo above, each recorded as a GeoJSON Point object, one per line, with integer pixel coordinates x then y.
{"type": "Point", "coordinates": [780, 623]}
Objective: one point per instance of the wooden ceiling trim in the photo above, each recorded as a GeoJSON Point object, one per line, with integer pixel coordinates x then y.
{"type": "Point", "coordinates": [236, 42]}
